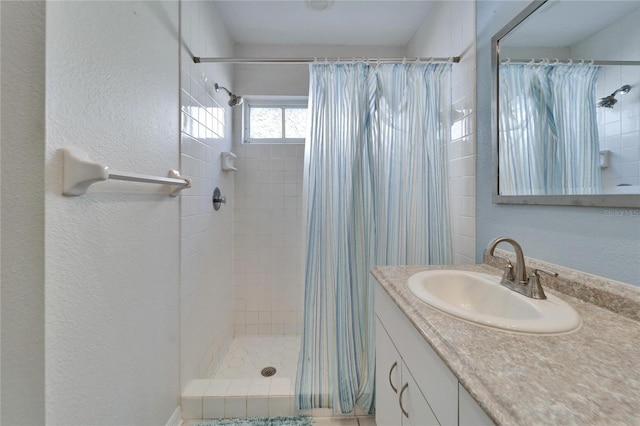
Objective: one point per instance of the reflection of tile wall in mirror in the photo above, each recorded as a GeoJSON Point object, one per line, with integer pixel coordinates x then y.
{"type": "Point", "coordinates": [600, 31]}
{"type": "Point", "coordinates": [619, 127]}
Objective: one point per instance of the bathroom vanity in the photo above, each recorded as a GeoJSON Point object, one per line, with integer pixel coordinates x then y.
{"type": "Point", "coordinates": [433, 368]}
{"type": "Point", "coordinates": [404, 359]}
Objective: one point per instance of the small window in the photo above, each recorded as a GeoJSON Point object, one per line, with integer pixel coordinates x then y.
{"type": "Point", "coordinates": [275, 120]}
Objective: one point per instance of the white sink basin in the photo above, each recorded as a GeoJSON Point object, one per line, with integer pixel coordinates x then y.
{"type": "Point", "coordinates": [479, 298]}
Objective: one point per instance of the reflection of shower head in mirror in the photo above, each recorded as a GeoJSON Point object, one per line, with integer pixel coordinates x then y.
{"type": "Point", "coordinates": [610, 101]}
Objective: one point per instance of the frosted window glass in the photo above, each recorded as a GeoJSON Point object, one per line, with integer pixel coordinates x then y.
{"type": "Point", "coordinates": [295, 123]}
{"type": "Point", "coordinates": [265, 123]}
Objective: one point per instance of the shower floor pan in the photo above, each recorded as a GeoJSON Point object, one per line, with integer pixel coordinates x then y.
{"type": "Point", "coordinates": [237, 387]}
{"type": "Point", "coordinates": [248, 356]}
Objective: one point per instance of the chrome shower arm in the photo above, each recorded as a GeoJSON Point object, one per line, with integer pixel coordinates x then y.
{"type": "Point", "coordinates": [623, 90]}
{"type": "Point", "coordinates": [218, 87]}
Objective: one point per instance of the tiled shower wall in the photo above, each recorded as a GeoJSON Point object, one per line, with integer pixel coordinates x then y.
{"type": "Point", "coordinates": [619, 127]}
{"type": "Point", "coordinates": [462, 160]}
{"type": "Point", "coordinates": [267, 239]}
{"type": "Point", "coordinates": [206, 242]}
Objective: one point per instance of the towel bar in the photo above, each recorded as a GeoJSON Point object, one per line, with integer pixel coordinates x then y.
{"type": "Point", "coordinates": [80, 173]}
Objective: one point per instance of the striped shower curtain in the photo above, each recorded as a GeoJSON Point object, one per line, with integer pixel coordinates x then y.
{"type": "Point", "coordinates": [548, 131]}
{"type": "Point", "coordinates": [376, 187]}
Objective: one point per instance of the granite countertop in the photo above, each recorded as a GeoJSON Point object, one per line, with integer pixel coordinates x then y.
{"type": "Point", "coordinates": [588, 377]}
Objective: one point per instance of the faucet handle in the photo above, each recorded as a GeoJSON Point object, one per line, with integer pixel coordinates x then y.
{"type": "Point", "coordinates": [544, 271]}
{"type": "Point", "coordinates": [508, 269]}
{"type": "Point", "coordinates": [534, 283]}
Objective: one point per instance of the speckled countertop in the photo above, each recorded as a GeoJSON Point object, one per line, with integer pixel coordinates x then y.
{"type": "Point", "coordinates": [589, 377]}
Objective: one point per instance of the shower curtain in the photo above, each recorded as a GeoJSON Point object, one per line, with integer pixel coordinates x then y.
{"type": "Point", "coordinates": [376, 185]}
{"type": "Point", "coordinates": [548, 130]}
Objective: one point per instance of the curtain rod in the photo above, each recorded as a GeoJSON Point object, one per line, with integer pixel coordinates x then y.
{"type": "Point", "coordinates": [292, 61]}
{"type": "Point", "coordinates": [566, 61]}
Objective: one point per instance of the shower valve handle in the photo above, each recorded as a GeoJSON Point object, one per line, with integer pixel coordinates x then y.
{"type": "Point", "coordinates": [218, 199]}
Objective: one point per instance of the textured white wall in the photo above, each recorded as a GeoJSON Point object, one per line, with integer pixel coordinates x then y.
{"type": "Point", "coordinates": [449, 30]}
{"type": "Point", "coordinates": [597, 240]}
{"type": "Point", "coordinates": [112, 255]}
{"type": "Point", "coordinates": [206, 306]}
{"type": "Point", "coordinates": [22, 59]}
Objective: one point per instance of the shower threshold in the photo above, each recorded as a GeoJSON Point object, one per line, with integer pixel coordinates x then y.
{"type": "Point", "coordinates": [238, 389]}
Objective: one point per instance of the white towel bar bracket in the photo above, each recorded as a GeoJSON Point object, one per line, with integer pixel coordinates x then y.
{"type": "Point", "coordinates": [80, 173]}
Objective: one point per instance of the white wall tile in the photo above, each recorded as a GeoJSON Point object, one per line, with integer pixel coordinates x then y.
{"type": "Point", "coordinates": [279, 406]}
{"type": "Point", "coordinates": [269, 222]}
{"type": "Point", "coordinates": [206, 325]}
{"type": "Point", "coordinates": [257, 406]}
{"type": "Point", "coordinates": [191, 408]}
{"type": "Point", "coordinates": [213, 408]}
{"type": "Point", "coordinates": [235, 407]}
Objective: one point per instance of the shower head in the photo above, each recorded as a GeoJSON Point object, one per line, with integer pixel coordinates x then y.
{"type": "Point", "coordinates": [610, 101]}
{"type": "Point", "coordinates": [234, 100]}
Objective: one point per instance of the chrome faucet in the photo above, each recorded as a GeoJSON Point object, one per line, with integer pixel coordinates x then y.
{"type": "Point", "coordinates": [517, 280]}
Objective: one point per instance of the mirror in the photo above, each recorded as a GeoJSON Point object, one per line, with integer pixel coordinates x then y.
{"type": "Point", "coordinates": [566, 105]}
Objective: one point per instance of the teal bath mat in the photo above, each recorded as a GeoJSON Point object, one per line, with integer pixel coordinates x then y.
{"type": "Point", "coordinates": [261, 421]}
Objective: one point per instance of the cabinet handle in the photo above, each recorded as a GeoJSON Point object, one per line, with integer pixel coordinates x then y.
{"type": "Point", "coordinates": [395, 389]}
{"type": "Point", "coordinates": [404, 388]}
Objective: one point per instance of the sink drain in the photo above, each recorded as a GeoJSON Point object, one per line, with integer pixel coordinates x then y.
{"type": "Point", "coordinates": [268, 371]}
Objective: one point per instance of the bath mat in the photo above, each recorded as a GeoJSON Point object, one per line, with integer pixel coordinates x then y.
{"type": "Point", "coordinates": [260, 421]}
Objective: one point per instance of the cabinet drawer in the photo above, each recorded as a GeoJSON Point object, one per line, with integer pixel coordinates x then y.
{"type": "Point", "coordinates": [438, 385]}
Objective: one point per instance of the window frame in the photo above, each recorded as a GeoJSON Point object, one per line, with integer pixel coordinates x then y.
{"type": "Point", "coordinates": [281, 102]}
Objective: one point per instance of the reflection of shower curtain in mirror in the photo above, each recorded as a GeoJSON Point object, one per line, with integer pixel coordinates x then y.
{"type": "Point", "coordinates": [376, 186]}
{"type": "Point", "coordinates": [548, 132]}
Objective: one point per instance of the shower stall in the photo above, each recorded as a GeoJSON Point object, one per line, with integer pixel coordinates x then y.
{"type": "Point", "coordinates": [241, 337]}
{"type": "Point", "coordinates": [390, 140]}
{"type": "Point", "coordinates": [256, 375]}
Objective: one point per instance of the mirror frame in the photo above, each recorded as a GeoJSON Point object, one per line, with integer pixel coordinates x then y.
{"type": "Point", "coordinates": [596, 200]}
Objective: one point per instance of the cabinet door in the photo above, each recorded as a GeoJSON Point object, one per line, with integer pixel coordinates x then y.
{"type": "Point", "coordinates": [388, 365]}
{"type": "Point", "coordinates": [437, 382]}
{"type": "Point", "coordinates": [392, 375]}
{"type": "Point", "coordinates": [417, 411]}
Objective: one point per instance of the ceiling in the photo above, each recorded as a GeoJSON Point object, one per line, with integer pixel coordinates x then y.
{"type": "Point", "coordinates": [346, 22]}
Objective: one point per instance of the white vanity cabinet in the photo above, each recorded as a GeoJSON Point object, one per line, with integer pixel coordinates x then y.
{"type": "Point", "coordinates": [398, 398]}
{"type": "Point", "coordinates": [403, 357]}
